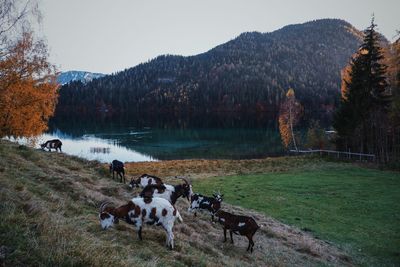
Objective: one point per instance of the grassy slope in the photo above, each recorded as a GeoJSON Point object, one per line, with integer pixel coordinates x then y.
{"type": "Point", "coordinates": [349, 205]}
{"type": "Point", "coordinates": [48, 209]}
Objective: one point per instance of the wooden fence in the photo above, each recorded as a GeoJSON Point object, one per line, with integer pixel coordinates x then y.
{"type": "Point", "coordinates": [338, 154]}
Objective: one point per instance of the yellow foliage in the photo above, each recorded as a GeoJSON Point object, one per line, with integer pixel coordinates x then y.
{"type": "Point", "coordinates": [284, 130]}
{"type": "Point", "coordinates": [289, 115]}
{"type": "Point", "coordinates": [290, 93]}
{"type": "Point", "coordinates": [28, 89]}
{"type": "Point", "coordinates": [346, 79]}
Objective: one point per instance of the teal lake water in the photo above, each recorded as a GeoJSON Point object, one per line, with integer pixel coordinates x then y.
{"type": "Point", "coordinates": [144, 141]}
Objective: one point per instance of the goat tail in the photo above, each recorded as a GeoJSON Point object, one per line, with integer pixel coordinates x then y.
{"type": "Point", "coordinates": [261, 225]}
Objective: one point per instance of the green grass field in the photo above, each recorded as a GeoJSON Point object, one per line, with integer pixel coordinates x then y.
{"type": "Point", "coordinates": [356, 208]}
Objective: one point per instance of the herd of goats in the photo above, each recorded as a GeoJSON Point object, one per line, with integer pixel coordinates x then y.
{"type": "Point", "coordinates": [155, 205]}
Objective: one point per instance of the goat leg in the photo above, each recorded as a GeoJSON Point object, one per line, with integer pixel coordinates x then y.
{"type": "Point", "coordinates": [224, 234]}
{"type": "Point", "coordinates": [140, 233]}
{"type": "Point", "coordinates": [230, 232]}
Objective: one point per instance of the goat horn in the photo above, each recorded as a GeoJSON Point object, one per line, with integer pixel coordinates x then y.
{"type": "Point", "coordinates": [184, 179]}
{"type": "Point", "coordinates": [103, 205]}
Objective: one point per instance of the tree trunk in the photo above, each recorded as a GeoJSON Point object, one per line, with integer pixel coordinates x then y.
{"type": "Point", "coordinates": [291, 128]}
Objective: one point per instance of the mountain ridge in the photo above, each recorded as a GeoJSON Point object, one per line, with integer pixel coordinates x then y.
{"type": "Point", "coordinates": [249, 73]}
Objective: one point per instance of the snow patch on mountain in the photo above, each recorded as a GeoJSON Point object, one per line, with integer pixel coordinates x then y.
{"type": "Point", "coordinates": [83, 76]}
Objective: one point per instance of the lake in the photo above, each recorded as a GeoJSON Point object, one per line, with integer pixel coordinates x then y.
{"type": "Point", "coordinates": [136, 140]}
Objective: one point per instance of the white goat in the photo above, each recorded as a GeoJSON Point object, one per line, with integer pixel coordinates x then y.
{"type": "Point", "coordinates": [168, 192]}
{"type": "Point", "coordinates": [145, 180]}
{"type": "Point", "coordinates": [138, 211]}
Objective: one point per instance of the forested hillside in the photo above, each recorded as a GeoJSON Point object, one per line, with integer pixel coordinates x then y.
{"type": "Point", "coordinates": [247, 74]}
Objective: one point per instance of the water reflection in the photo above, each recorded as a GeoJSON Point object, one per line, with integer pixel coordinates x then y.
{"type": "Point", "coordinates": [83, 147]}
{"type": "Point", "coordinates": [104, 150]}
{"type": "Point", "coordinates": [136, 139]}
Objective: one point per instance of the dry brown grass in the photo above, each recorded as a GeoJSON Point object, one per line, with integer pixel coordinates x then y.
{"type": "Point", "coordinates": [209, 168]}
{"type": "Point", "coordinates": [49, 204]}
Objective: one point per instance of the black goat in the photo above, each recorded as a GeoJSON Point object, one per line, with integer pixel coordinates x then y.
{"type": "Point", "coordinates": [117, 166]}
{"type": "Point", "coordinates": [55, 143]}
{"type": "Point", "coordinates": [242, 225]}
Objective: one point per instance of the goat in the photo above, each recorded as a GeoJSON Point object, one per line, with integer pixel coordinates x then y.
{"type": "Point", "coordinates": [242, 225]}
{"type": "Point", "coordinates": [145, 180]}
{"type": "Point", "coordinates": [117, 166]}
{"type": "Point", "coordinates": [138, 211]}
{"type": "Point", "coordinates": [200, 202]}
{"type": "Point", "coordinates": [168, 192]}
{"type": "Point", "coordinates": [55, 143]}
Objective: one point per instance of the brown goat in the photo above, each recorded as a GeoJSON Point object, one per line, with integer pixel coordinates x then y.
{"type": "Point", "coordinates": [242, 225]}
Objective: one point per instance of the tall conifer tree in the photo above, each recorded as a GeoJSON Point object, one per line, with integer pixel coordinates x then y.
{"type": "Point", "coordinates": [361, 117]}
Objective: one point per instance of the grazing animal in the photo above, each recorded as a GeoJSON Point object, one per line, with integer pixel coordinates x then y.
{"type": "Point", "coordinates": [138, 211]}
{"type": "Point", "coordinates": [242, 225]}
{"type": "Point", "coordinates": [145, 180]}
{"type": "Point", "coordinates": [50, 144]}
{"type": "Point", "coordinates": [200, 202]}
{"type": "Point", "coordinates": [168, 192]}
{"type": "Point", "coordinates": [117, 166]}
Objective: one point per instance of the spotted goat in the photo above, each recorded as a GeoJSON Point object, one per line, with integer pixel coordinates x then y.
{"type": "Point", "coordinates": [138, 211]}
{"type": "Point", "coordinates": [199, 202]}
{"type": "Point", "coordinates": [241, 225]}
{"type": "Point", "coordinates": [168, 192]}
{"type": "Point", "coordinates": [145, 180]}
{"type": "Point", "coordinates": [117, 166]}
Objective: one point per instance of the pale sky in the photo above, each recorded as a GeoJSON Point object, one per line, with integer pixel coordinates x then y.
{"type": "Point", "coordinates": [110, 35]}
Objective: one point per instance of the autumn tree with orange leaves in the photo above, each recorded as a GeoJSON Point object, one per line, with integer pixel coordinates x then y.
{"type": "Point", "coordinates": [289, 115]}
{"type": "Point", "coordinates": [28, 89]}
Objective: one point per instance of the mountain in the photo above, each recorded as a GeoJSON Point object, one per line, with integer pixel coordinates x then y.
{"type": "Point", "coordinates": [249, 74]}
{"type": "Point", "coordinates": [83, 76]}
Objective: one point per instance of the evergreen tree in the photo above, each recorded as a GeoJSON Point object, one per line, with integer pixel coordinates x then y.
{"type": "Point", "coordinates": [360, 120]}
